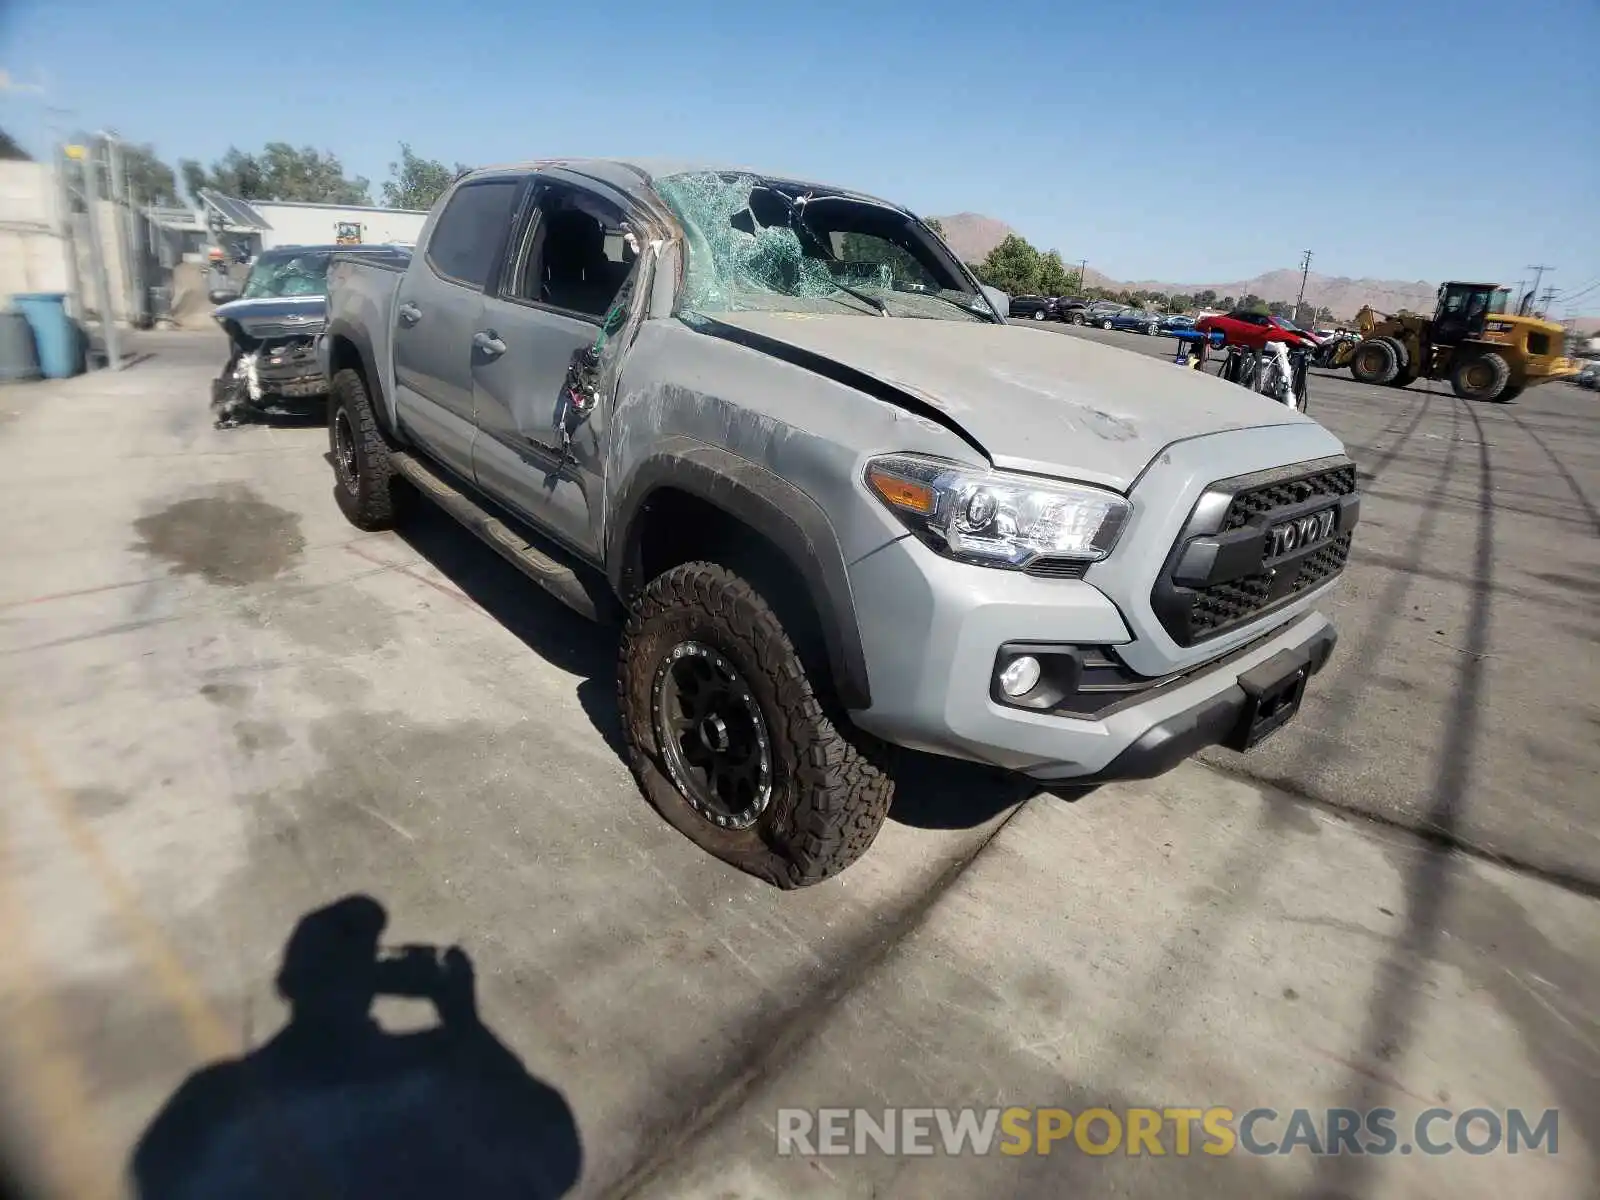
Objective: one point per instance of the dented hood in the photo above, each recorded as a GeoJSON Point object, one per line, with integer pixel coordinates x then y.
{"type": "Point", "coordinates": [276, 316]}
{"type": "Point", "coordinates": [1035, 400]}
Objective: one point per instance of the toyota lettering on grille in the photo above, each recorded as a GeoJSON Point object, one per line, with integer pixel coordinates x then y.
{"type": "Point", "coordinates": [1300, 533]}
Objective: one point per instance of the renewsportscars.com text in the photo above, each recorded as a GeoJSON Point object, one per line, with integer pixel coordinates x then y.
{"type": "Point", "coordinates": [1158, 1132]}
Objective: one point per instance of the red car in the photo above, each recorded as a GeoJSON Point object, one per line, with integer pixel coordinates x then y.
{"type": "Point", "coordinates": [1254, 330]}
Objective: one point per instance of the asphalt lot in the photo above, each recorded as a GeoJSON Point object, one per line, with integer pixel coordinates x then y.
{"type": "Point", "coordinates": [1464, 699]}
{"type": "Point", "coordinates": [222, 709]}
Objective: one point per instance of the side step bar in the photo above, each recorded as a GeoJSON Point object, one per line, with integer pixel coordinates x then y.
{"type": "Point", "coordinates": [585, 593]}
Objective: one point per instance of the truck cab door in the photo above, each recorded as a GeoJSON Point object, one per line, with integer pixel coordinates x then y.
{"type": "Point", "coordinates": [437, 311]}
{"type": "Point", "coordinates": [548, 347]}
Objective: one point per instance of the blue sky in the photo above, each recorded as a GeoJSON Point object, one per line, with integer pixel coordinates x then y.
{"type": "Point", "coordinates": [1397, 140]}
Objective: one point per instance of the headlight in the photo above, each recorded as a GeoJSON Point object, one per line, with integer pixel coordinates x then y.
{"type": "Point", "coordinates": [994, 518]}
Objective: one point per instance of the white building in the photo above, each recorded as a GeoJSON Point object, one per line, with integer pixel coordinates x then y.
{"type": "Point", "coordinates": [295, 224]}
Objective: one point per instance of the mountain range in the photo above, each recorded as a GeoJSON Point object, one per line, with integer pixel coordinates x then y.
{"type": "Point", "coordinates": [972, 236]}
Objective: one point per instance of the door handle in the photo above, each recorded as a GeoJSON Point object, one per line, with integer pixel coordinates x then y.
{"type": "Point", "coordinates": [488, 341]}
{"type": "Point", "coordinates": [408, 313]}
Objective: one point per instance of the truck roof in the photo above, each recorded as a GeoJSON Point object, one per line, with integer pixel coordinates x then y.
{"type": "Point", "coordinates": [637, 176]}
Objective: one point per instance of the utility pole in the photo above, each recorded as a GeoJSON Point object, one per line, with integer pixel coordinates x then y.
{"type": "Point", "coordinates": [1546, 299]}
{"type": "Point", "coordinates": [1305, 270]}
{"type": "Point", "coordinates": [1538, 274]}
{"type": "Point", "coordinates": [1083, 276]}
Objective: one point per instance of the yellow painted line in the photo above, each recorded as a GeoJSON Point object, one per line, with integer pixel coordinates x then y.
{"type": "Point", "coordinates": [50, 1081]}
{"type": "Point", "coordinates": [206, 1031]}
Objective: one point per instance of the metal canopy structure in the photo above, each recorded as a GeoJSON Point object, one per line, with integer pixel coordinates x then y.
{"type": "Point", "coordinates": [237, 214]}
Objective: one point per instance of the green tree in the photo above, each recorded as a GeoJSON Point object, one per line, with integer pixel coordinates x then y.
{"type": "Point", "coordinates": [10, 151]}
{"type": "Point", "coordinates": [418, 182]}
{"type": "Point", "coordinates": [1281, 308]}
{"type": "Point", "coordinates": [1013, 266]}
{"type": "Point", "coordinates": [279, 172]}
{"type": "Point", "coordinates": [149, 179]}
{"type": "Point", "coordinates": [1053, 277]}
{"type": "Point", "coordinates": [933, 224]}
{"type": "Point", "coordinates": [1253, 303]}
{"type": "Point", "coordinates": [1205, 298]}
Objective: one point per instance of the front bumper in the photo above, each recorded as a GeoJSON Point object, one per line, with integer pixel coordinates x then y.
{"type": "Point", "coordinates": [932, 630]}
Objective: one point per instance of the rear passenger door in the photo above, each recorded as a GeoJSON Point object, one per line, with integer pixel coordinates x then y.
{"type": "Point", "coordinates": [571, 264]}
{"type": "Point", "coordinates": [436, 314]}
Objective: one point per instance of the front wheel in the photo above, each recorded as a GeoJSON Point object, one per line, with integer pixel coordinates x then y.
{"type": "Point", "coordinates": [368, 491]}
{"type": "Point", "coordinates": [730, 740]}
{"type": "Point", "coordinates": [1480, 376]}
{"type": "Point", "coordinates": [1374, 362]}
{"type": "Point", "coordinates": [1105, 324]}
{"type": "Point", "coordinates": [1152, 329]}
{"type": "Point", "coordinates": [1077, 319]}
{"type": "Point", "coordinates": [1038, 314]}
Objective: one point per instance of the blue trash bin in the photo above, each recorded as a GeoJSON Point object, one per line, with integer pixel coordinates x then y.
{"type": "Point", "coordinates": [60, 349]}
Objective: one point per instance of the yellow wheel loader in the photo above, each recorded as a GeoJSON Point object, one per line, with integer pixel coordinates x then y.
{"type": "Point", "coordinates": [1472, 340]}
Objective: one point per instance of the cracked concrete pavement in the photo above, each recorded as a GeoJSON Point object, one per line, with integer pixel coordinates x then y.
{"type": "Point", "coordinates": [222, 709]}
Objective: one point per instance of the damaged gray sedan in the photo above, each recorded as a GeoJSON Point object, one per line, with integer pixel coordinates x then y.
{"type": "Point", "coordinates": [272, 328]}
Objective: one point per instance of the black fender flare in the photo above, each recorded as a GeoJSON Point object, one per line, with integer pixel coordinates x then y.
{"type": "Point", "coordinates": [359, 338]}
{"type": "Point", "coordinates": [771, 506]}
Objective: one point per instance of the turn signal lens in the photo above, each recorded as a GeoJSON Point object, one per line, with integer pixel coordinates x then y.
{"type": "Point", "coordinates": [897, 491]}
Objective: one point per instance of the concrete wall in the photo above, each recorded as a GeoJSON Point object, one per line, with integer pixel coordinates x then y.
{"type": "Point", "coordinates": [33, 255]}
{"type": "Point", "coordinates": [315, 224]}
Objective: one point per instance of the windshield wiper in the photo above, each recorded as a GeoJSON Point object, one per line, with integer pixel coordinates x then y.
{"type": "Point", "coordinates": [972, 310]}
{"type": "Point", "coordinates": [865, 298]}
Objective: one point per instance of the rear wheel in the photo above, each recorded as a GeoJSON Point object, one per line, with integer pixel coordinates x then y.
{"type": "Point", "coordinates": [1038, 314]}
{"type": "Point", "coordinates": [368, 491]}
{"type": "Point", "coordinates": [1105, 324]}
{"type": "Point", "coordinates": [730, 740]}
{"type": "Point", "coordinates": [1152, 329]}
{"type": "Point", "coordinates": [1480, 376]}
{"type": "Point", "coordinates": [1077, 318]}
{"type": "Point", "coordinates": [1510, 393]}
{"type": "Point", "coordinates": [1374, 362]}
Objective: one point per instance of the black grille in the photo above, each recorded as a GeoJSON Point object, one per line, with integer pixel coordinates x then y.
{"type": "Point", "coordinates": [1341, 481]}
{"type": "Point", "coordinates": [1224, 604]}
{"type": "Point", "coordinates": [1224, 571]}
{"type": "Point", "coordinates": [1056, 568]}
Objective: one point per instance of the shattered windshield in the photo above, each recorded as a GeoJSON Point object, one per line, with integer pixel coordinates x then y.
{"type": "Point", "coordinates": [288, 275]}
{"type": "Point", "coordinates": [772, 245]}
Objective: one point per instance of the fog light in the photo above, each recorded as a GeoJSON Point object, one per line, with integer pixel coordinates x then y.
{"type": "Point", "coordinates": [1019, 676]}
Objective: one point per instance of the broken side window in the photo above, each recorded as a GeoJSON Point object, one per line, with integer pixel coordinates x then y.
{"type": "Point", "coordinates": [777, 245]}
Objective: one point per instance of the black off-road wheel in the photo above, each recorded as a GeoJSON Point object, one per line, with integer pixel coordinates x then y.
{"type": "Point", "coordinates": [1406, 377]}
{"type": "Point", "coordinates": [1374, 362]}
{"type": "Point", "coordinates": [729, 737]}
{"type": "Point", "coordinates": [369, 492]}
{"type": "Point", "coordinates": [1509, 393]}
{"type": "Point", "coordinates": [1480, 376]}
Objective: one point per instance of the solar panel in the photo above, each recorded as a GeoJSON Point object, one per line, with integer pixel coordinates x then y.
{"type": "Point", "coordinates": [232, 211]}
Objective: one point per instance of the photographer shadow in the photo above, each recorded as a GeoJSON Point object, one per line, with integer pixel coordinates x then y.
{"type": "Point", "coordinates": [334, 1105]}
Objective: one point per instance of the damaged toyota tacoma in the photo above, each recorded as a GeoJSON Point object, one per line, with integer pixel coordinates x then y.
{"type": "Point", "coordinates": [272, 326]}
{"type": "Point", "coordinates": [837, 503]}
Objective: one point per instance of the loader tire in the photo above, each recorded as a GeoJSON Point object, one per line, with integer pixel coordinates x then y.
{"type": "Point", "coordinates": [1480, 377]}
{"type": "Point", "coordinates": [730, 740]}
{"type": "Point", "coordinates": [1375, 362]}
{"type": "Point", "coordinates": [1406, 377]}
{"type": "Point", "coordinates": [368, 490]}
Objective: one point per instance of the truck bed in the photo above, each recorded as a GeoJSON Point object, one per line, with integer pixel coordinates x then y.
{"type": "Point", "coordinates": [361, 296]}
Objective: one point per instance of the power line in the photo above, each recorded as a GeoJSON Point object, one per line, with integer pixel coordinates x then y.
{"type": "Point", "coordinates": [1538, 274]}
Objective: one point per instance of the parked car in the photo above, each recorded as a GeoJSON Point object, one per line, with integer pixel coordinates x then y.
{"type": "Point", "coordinates": [1101, 311]}
{"type": "Point", "coordinates": [1036, 308]}
{"type": "Point", "coordinates": [665, 400]}
{"type": "Point", "coordinates": [1589, 376]}
{"type": "Point", "coordinates": [1254, 330]}
{"type": "Point", "coordinates": [272, 321]}
{"type": "Point", "coordinates": [1176, 321]}
{"type": "Point", "coordinates": [1070, 309]}
{"type": "Point", "coordinates": [1135, 319]}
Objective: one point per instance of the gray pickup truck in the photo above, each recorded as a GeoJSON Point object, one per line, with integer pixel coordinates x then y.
{"type": "Point", "coordinates": [837, 502]}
